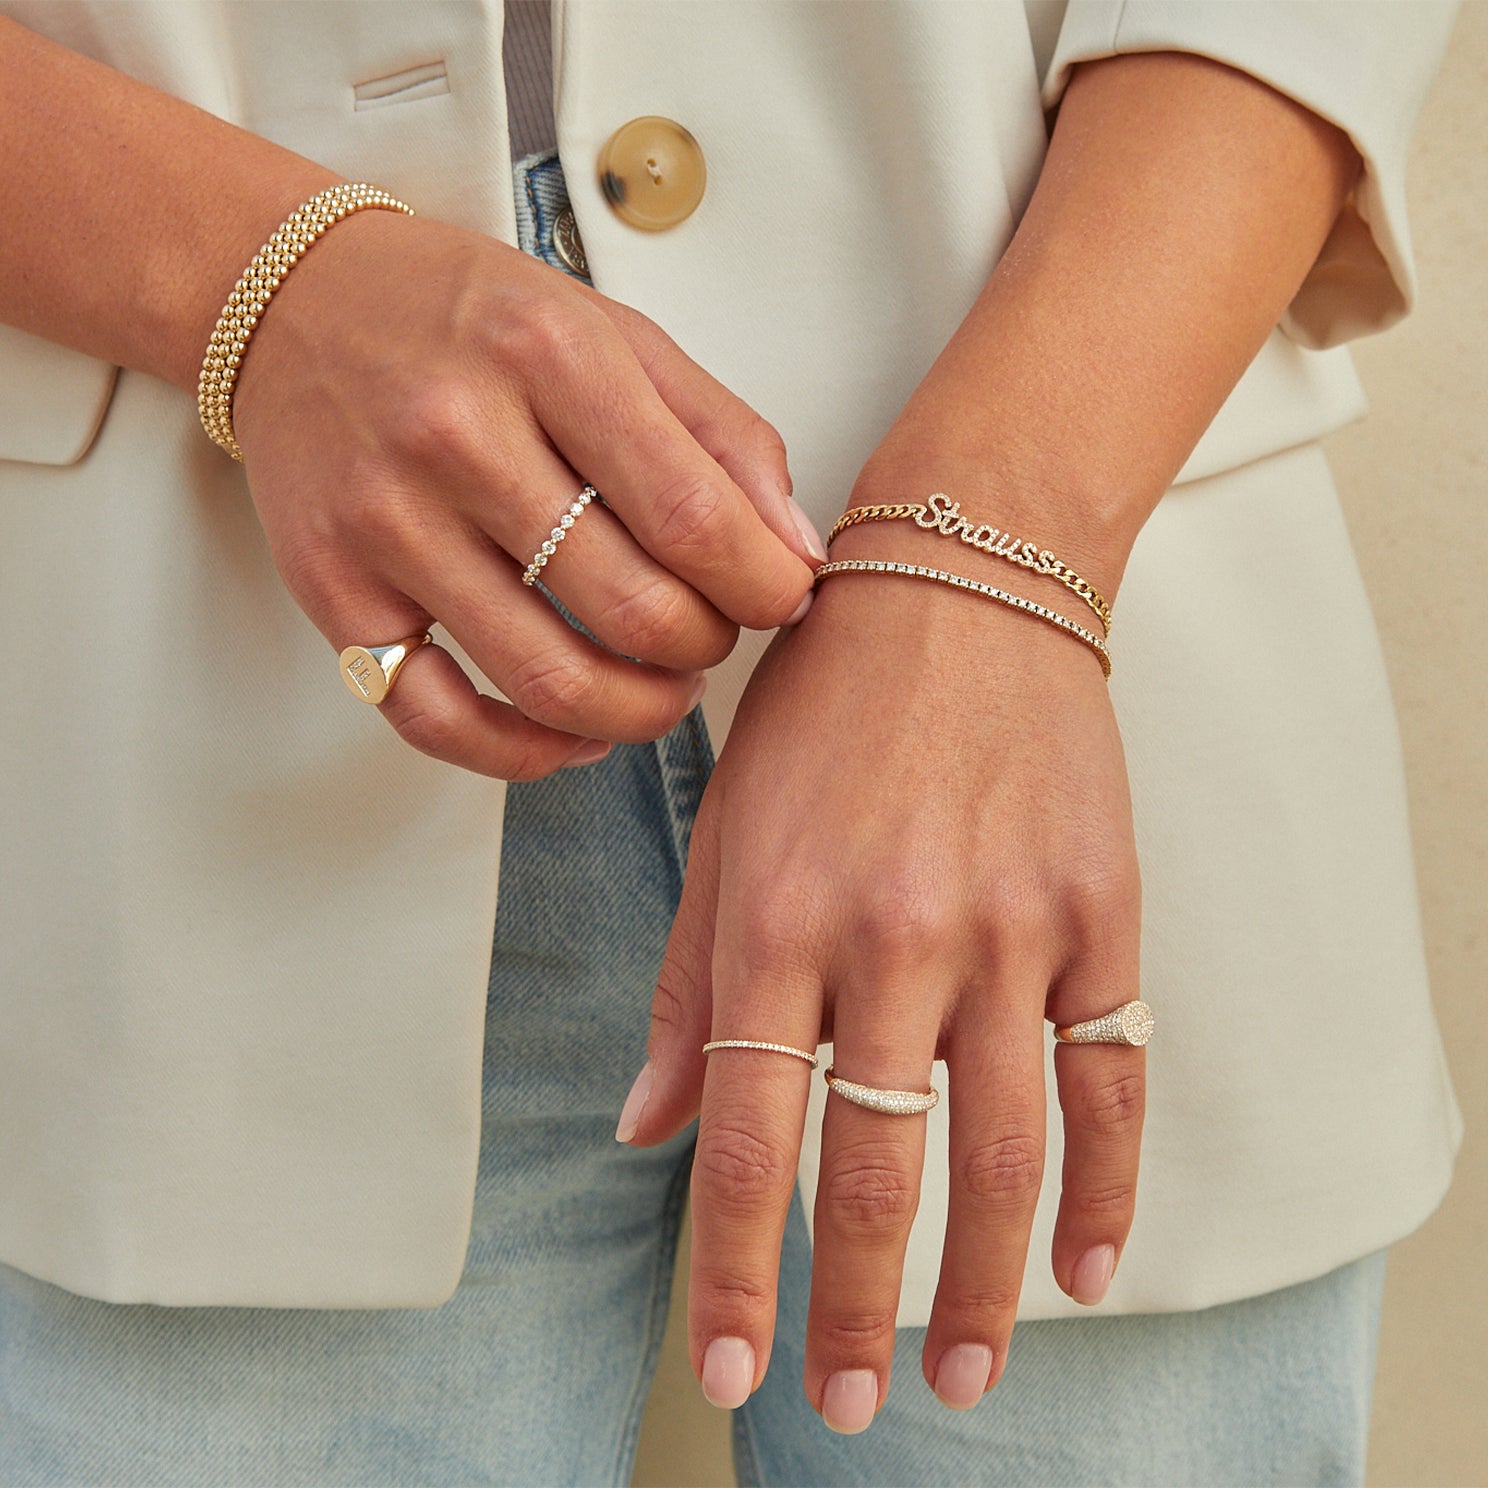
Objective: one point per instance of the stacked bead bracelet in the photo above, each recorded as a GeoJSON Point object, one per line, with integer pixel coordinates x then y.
{"type": "Point", "coordinates": [219, 373]}
{"type": "Point", "coordinates": [944, 516]}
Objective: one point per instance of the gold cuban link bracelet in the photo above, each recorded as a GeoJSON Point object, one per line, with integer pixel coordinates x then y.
{"type": "Point", "coordinates": [941, 514]}
{"type": "Point", "coordinates": [988, 591]}
{"type": "Point", "coordinates": [219, 373]}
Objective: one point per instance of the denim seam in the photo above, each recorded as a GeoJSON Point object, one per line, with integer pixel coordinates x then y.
{"type": "Point", "coordinates": [547, 210]}
{"type": "Point", "coordinates": [536, 211]}
{"type": "Point", "coordinates": [661, 1295]}
{"type": "Point", "coordinates": [685, 758]}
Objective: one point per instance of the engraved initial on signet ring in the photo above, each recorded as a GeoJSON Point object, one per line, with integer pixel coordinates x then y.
{"type": "Point", "coordinates": [370, 671]}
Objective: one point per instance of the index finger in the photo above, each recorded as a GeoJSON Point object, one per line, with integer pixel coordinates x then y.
{"type": "Point", "coordinates": [744, 1174]}
{"type": "Point", "coordinates": [677, 501]}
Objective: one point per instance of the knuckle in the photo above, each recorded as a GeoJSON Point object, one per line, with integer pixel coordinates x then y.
{"type": "Point", "coordinates": [728, 1294]}
{"type": "Point", "coordinates": [870, 1198]}
{"type": "Point", "coordinates": [649, 620]}
{"type": "Point", "coordinates": [1013, 913]}
{"type": "Point", "coordinates": [1005, 1172]}
{"type": "Point", "coordinates": [778, 921]}
{"type": "Point", "coordinates": [716, 640]}
{"type": "Point", "coordinates": [1103, 903]}
{"type": "Point", "coordinates": [529, 761]}
{"type": "Point", "coordinates": [539, 334]}
{"type": "Point", "coordinates": [431, 727]}
{"type": "Point", "coordinates": [669, 1005]}
{"type": "Point", "coordinates": [552, 686]}
{"type": "Point", "coordinates": [435, 422]}
{"type": "Point", "coordinates": [1114, 1106]}
{"type": "Point", "coordinates": [377, 517]}
{"type": "Point", "coordinates": [690, 515]}
{"type": "Point", "coordinates": [310, 570]}
{"type": "Point", "coordinates": [857, 1333]}
{"type": "Point", "coordinates": [734, 1164]}
{"type": "Point", "coordinates": [903, 919]}
{"type": "Point", "coordinates": [669, 710]}
{"type": "Point", "coordinates": [768, 440]}
{"type": "Point", "coordinates": [988, 1299]}
{"type": "Point", "coordinates": [1104, 1201]}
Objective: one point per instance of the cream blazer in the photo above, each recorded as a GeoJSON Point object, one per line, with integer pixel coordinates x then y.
{"type": "Point", "coordinates": [241, 1014]}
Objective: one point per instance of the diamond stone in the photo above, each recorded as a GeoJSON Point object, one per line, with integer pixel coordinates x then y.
{"type": "Point", "coordinates": [891, 1102]}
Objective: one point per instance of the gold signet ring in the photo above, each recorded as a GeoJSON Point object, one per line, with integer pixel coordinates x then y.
{"type": "Point", "coordinates": [370, 671]}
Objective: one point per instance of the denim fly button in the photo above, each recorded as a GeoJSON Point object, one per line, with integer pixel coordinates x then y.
{"type": "Point", "coordinates": [567, 243]}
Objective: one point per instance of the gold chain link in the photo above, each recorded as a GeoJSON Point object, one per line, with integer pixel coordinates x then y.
{"type": "Point", "coordinates": [918, 511]}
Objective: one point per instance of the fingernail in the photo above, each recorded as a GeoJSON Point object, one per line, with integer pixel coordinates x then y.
{"type": "Point", "coordinates": [728, 1372]}
{"type": "Point", "coordinates": [961, 1376]}
{"type": "Point", "coordinates": [800, 610]}
{"type": "Point", "coordinates": [1092, 1275]}
{"type": "Point", "coordinates": [697, 692]}
{"type": "Point", "coordinates": [586, 754]}
{"type": "Point", "coordinates": [635, 1103]}
{"type": "Point", "coordinates": [849, 1400]}
{"type": "Point", "coordinates": [809, 535]}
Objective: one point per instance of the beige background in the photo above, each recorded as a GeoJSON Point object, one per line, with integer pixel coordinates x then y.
{"type": "Point", "coordinates": [1414, 478]}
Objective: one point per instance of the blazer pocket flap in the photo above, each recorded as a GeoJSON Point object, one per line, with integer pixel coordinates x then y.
{"type": "Point", "coordinates": [52, 399]}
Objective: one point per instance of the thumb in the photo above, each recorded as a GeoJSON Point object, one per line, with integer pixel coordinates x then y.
{"type": "Point", "coordinates": [668, 1092]}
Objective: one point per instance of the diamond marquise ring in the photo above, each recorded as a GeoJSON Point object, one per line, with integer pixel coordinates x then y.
{"type": "Point", "coordinates": [890, 1102]}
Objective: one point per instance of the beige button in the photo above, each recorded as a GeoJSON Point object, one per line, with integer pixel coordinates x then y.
{"type": "Point", "coordinates": [652, 173]}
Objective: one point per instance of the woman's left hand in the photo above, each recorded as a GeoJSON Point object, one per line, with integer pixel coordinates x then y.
{"type": "Point", "coordinates": [917, 843]}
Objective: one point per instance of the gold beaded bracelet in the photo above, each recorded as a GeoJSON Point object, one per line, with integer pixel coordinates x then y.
{"type": "Point", "coordinates": [219, 373]}
{"type": "Point", "coordinates": [944, 515]}
{"type": "Point", "coordinates": [974, 586]}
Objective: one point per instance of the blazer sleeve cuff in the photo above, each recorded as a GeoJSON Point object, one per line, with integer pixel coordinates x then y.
{"type": "Point", "coordinates": [52, 399]}
{"type": "Point", "coordinates": [1364, 65]}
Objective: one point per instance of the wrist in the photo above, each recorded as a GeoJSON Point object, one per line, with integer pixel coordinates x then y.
{"type": "Point", "coordinates": [992, 507]}
{"type": "Point", "coordinates": [189, 292]}
{"type": "Point", "coordinates": [931, 644]}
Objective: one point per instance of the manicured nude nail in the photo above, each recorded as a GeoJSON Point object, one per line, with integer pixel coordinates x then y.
{"type": "Point", "coordinates": [1092, 1275]}
{"type": "Point", "coordinates": [697, 692]}
{"type": "Point", "coordinates": [961, 1375]}
{"type": "Point", "coordinates": [849, 1400]}
{"type": "Point", "coordinates": [799, 614]}
{"type": "Point", "coordinates": [728, 1372]}
{"type": "Point", "coordinates": [586, 754]}
{"type": "Point", "coordinates": [809, 535]}
{"type": "Point", "coordinates": [635, 1103]}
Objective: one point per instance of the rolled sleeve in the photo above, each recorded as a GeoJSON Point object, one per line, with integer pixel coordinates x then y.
{"type": "Point", "coordinates": [1364, 65]}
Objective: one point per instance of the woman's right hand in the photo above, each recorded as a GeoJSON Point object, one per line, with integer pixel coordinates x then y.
{"type": "Point", "coordinates": [420, 404]}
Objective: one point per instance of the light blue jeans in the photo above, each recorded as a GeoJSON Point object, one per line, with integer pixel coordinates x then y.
{"type": "Point", "coordinates": [537, 1370]}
